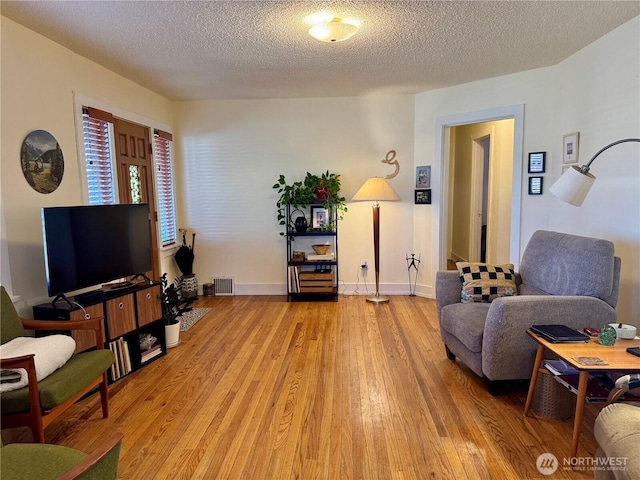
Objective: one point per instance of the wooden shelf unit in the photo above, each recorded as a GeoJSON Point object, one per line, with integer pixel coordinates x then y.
{"type": "Point", "coordinates": [126, 314]}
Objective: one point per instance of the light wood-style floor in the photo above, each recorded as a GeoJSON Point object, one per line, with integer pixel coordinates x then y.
{"type": "Point", "coordinates": [265, 389]}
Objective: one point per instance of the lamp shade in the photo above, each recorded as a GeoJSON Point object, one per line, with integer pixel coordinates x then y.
{"type": "Point", "coordinates": [573, 186]}
{"type": "Point", "coordinates": [375, 189]}
{"type": "Point", "coordinates": [335, 30]}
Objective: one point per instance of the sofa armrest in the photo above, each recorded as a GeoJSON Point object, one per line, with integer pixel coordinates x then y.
{"type": "Point", "coordinates": [508, 352]}
{"type": "Point", "coordinates": [448, 288]}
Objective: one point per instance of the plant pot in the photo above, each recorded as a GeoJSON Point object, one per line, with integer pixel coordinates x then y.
{"type": "Point", "coordinates": [172, 334]}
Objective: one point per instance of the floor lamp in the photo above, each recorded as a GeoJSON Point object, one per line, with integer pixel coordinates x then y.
{"type": "Point", "coordinates": [575, 183]}
{"type": "Point", "coordinates": [376, 189]}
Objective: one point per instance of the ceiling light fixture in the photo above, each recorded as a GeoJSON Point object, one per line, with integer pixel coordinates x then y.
{"type": "Point", "coordinates": [333, 30]}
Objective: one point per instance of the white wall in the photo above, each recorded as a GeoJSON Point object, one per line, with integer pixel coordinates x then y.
{"type": "Point", "coordinates": [38, 81]}
{"type": "Point", "coordinates": [230, 153]}
{"type": "Point", "coordinates": [595, 92]}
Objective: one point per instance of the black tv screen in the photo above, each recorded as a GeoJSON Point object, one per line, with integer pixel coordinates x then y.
{"type": "Point", "coordinates": [90, 245]}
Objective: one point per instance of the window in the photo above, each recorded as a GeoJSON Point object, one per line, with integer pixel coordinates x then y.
{"type": "Point", "coordinates": [164, 187]}
{"type": "Point", "coordinates": [96, 126]}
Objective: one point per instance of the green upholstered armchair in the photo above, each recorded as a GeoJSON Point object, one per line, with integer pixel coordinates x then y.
{"type": "Point", "coordinates": [39, 403]}
{"type": "Point", "coordinates": [29, 461]}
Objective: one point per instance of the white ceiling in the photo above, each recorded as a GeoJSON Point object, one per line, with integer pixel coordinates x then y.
{"type": "Point", "coordinates": [260, 49]}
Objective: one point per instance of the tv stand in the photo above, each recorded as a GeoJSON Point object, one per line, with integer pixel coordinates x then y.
{"type": "Point", "coordinates": [127, 315]}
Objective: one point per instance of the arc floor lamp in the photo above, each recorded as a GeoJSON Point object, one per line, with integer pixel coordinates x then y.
{"type": "Point", "coordinates": [575, 183]}
{"type": "Point", "coordinates": [376, 189]}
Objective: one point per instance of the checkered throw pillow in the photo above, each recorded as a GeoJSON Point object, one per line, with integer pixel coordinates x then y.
{"type": "Point", "coordinates": [482, 282]}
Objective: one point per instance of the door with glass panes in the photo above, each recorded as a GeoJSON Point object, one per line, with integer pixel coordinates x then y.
{"type": "Point", "coordinates": [135, 175]}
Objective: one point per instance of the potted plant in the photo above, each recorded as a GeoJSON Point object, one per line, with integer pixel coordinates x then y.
{"type": "Point", "coordinates": [298, 195]}
{"type": "Point", "coordinates": [170, 312]}
{"type": "Point", "coordinates": [326, 188]}
{"type": "Point", "coordinates": [313, 189]}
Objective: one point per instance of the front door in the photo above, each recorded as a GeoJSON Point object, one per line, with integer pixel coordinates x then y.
{"type": "Point", "coordinates": [135, 175]}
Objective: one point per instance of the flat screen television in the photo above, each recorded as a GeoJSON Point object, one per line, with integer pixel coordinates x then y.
{"type": "Point", "coordinates": [90, 245]}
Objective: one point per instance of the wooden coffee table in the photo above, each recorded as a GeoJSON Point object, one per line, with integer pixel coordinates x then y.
{"type": "Point", "coordinates": [616, 357]}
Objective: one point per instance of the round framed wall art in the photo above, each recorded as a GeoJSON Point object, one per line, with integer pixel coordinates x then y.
{"type": "Point", "coordinates": [42, 161]}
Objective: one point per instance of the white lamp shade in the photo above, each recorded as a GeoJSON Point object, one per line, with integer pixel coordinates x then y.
{"type": "Point", "coordinates": [573, 186]}
{"type": "Point", "coordinates": [376, 189]}
{"type": "Point", "coordinates": [333, 31]}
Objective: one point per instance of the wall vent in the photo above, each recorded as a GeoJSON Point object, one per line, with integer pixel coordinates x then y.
{"type": "Point", "coordinates": [223, 285]}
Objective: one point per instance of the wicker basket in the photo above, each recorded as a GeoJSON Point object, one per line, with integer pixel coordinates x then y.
{"type": "Point", "coordinates": [551, 399]}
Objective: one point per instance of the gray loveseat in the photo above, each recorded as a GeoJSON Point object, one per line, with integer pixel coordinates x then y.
{"type": "Point", "coordinates": [563, 279]}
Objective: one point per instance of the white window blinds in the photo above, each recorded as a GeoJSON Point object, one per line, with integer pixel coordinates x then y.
{"type": "Point", "coordinates": [164, 187]}
{"type": "Point", "coordinates": [97, 149]}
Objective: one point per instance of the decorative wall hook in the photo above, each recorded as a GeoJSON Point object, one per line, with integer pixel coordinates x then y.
{"type": "Point", "coordinates": [390, 159]}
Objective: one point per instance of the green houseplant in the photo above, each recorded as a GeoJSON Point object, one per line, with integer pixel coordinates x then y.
{"type": "Point", "coordinates": [323, 189]}
{"type": "Point", "coordinates": [326, 189]}
{"type": "Point", "coordinates": [297, 195]}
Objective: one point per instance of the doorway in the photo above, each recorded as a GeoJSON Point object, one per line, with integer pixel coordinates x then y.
{"type": "Point", "coordinates": [481, 163]}
{"type": "Point", "coordinates": [502, 172]}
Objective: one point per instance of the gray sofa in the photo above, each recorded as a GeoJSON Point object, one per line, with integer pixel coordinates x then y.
{"type": "Point", "coordinates": [563, 279]}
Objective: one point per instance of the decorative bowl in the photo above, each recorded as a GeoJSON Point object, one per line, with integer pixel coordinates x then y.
{"type": "Point", "coordinates": [624, 331]}
{"type": "Point", "coordinates": [321, 249]}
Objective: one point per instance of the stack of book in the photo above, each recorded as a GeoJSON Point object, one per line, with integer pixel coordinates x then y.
{"type": "Point", "coordinates": [149, 347]}
{"type": "Point", "coordinates": [559, 334]}
{"type": "Point", "coordinates": [122, 365]}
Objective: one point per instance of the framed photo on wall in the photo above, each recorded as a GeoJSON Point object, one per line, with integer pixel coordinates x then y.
{"type": "Point", "coordinates": [570, 144]}
{"type": "Point", "coordinates": [536, 162]}
{"type": "Point", "coordinates": [535, 185]}
{"type": "Point", "coordinates": [422, 197]}
{"type": "Point", "coordinates": [423, 176]}
{"type": "Point", "coordinates": [319, 218]}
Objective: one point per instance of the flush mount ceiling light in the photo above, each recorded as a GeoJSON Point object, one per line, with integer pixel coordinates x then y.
{"type": "Point", "coordinates": [333, 30]}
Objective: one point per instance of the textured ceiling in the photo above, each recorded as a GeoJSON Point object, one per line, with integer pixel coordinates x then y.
{"type": "Point", "coordinates": [261, 49]}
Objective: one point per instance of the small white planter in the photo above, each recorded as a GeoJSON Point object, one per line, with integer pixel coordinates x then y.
{"type": "Point", "coordinates": [172, 334]}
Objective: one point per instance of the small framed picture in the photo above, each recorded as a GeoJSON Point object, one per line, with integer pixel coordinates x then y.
{"type": "Point", "coordinates": [535, 185]}
{"type": "Point", "coordinates": [319, 218]}
{"type": "Point", "coordinates": [536, 162]}
{"type": "Point", "coordinates": [422, 197]}
{"type": "Point", "coordinates": [570, 144]}
{"type": "Point", "coordinates": [423, 176]}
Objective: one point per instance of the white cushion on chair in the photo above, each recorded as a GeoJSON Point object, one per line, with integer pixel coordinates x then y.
{"type": "Point", "coordinates": [51, 353]}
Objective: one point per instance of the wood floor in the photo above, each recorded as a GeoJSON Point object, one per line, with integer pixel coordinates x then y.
{"type": "Point", "coordinates": [265, 389]}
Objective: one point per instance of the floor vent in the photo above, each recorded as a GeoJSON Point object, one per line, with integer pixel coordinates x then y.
{"type": "Point", "coordinates": [223, 285]}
